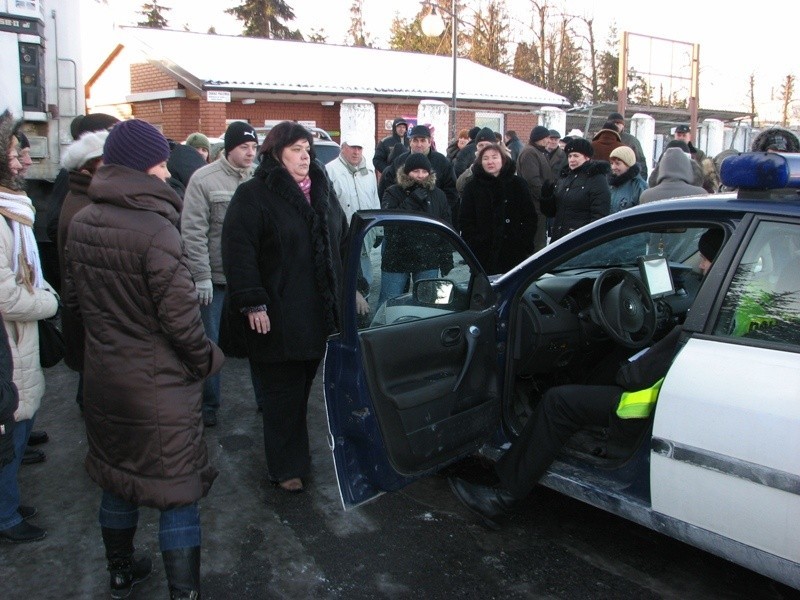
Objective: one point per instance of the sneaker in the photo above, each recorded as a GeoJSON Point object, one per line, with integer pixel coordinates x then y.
{"type": "Point", "coordinates": [23, 532]}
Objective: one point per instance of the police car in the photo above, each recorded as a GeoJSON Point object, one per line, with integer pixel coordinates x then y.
{"type": "Point", "coordinates": [457, 367]}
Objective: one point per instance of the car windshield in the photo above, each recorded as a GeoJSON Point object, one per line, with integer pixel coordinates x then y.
{"type": "Point", "coordinates": [677, 245]}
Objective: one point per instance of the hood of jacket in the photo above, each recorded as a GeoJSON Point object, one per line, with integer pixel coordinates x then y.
{"type": "Point", "coordinates": [405, 182]}
{"type": "Point", "coordinates": [129, 188]}
{"type": "Point", "coordinates": [675, 164]}
{"type": "Point", "coordinates": [7, 180]}
{"type": "Point", "coordinates": [397, 122]}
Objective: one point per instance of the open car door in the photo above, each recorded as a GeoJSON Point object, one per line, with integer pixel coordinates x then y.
{"type": "Point", "coordinates": [414, 384]}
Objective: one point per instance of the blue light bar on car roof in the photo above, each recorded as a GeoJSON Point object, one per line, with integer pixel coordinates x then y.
{"type": "Point", "coordinates": [761, 171]}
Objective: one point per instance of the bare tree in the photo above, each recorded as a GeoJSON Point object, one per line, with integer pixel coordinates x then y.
{"type": "Point", "coordinates": [751, 94]}
{"type": "Point", "coordinates": [357, 34]}
{"type": "Point", "coordinates": [489, 37]}
{"type": "Point", "coordinates": [787, 91]}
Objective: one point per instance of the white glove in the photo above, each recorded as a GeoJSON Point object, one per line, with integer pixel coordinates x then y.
{"type": "Point", "coordinates": [205, 291]}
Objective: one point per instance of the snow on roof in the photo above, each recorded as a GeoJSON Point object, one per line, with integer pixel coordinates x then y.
{"type": "Point", "coordinates": [234, 62]}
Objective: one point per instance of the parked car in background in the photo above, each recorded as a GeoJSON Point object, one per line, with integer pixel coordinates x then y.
{"type": "Point", "coordinates": [455, 366]}
{"type": "Point", "coordinates": [324, 147]}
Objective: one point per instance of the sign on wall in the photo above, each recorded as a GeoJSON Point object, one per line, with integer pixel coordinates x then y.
{"type": "Point", "coordinates": [218, 96]}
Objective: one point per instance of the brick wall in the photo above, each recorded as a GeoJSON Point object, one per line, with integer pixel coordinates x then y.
{"type": "Point", "coordinates": [148, 78]}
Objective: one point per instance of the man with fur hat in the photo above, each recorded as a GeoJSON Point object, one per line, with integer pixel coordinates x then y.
{"type": "Point", "coordinates": [631, 141]}
{"type": "Point", "coordinates": [626, 183]}
{"type": "Point", "coordinates": [445, 177]}
{"type": "Point", "coordinates": [606, 140]}
{"type": "Point", "coordinates": [380, 160]}
{"type": "Point", "coordinates": [81, 159]}
{"type": "Point", "coordinates": [80, 125]}
{"type": "Point", "coordinates": [419, 255]}
{"type": "Point", "coordinates": [533, 166]}
{"type": "Point", "coordinates": [206, 201]}
{"type": "Point", "coordinates": [144, 368]}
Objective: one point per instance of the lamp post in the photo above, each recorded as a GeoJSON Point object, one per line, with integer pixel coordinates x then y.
{"type": "Point", "coordinates": [433, 25]}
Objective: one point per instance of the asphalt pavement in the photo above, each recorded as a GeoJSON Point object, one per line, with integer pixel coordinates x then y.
{"type": "Point", "coordinates": [260, 542]}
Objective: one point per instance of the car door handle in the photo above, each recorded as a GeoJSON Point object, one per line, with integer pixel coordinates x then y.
{"type": "Point", "coordinates": [473, 333]}
{"type": "Point", "coordinates": [451, 336]}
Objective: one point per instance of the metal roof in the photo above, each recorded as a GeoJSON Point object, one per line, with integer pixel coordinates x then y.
{"type": "Point", "coordinates": [236, 63]}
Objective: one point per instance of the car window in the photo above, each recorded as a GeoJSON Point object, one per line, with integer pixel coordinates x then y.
{"type": "Point", "coordinates": [411, 271]}
{"type": "Point", "coordinates": [763, 301]}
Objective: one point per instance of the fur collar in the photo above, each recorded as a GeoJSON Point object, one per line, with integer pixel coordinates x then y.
{"type": "Point", "coordinates": [281, 182]}
{"type": "Point", "coordinates": [405, 182]}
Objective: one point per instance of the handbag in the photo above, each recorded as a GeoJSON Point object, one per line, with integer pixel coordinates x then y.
{"type": "Point", "coordinates": [51, 343]}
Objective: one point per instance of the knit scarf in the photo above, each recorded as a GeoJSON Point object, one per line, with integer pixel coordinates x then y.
{"type": "Point", "coordinates": [305, 187]}
{"type": "Point", "coordinates": [18, 209]}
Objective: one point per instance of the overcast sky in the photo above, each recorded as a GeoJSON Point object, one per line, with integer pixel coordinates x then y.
{"type": "Point", "coordinates": [732, 44]}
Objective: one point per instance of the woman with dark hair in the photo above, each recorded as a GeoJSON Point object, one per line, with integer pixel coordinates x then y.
{"type": "Point", "coordinates": [283, 240]}
{"type": "Point", "coordinates": [498, 219]}
{"type": "Point", "coordinates": [581, 194]}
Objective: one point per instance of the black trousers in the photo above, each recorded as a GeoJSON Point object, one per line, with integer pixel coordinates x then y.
{"type": "Point", "coordinates": [562, 411]}
{"type": "Point", "coordinates": [286, 387]}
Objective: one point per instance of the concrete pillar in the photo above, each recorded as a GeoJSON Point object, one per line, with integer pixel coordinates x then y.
{"type": "Point", "coordinates": [437, 115]}
{"type": "Point", "coordinates": [357, 118]}
{"type": "Point", "coordinates": [643, 128]}
{"type": "Point", "coordinates": [711, 136]}
{"type": "Point", "coordinates": [554, 118]}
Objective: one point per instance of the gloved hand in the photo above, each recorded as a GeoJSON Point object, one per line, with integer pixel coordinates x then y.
{"type": "Point", "coordinates": [205, 291]}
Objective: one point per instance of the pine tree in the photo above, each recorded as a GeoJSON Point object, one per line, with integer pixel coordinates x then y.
{"type": "Point", "coordinates": [489, 37]}
{"type": "Point", "coordinates": [265, 18]}
{"type": "Point", "coordinates": [357, 34]}
{"type": "Point", "coordinates": [608, 68]}
{"type": "Point", "coordinates": [153, 17]}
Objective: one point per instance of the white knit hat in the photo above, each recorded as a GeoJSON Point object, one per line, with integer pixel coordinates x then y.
{"type": "Point", "coordinates": [625, 154]}
{"type": "Point", "coordinates": [84, 149]}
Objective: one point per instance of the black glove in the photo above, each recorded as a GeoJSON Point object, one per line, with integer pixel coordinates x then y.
{"type": "Point", "coordinates": [548, 188]}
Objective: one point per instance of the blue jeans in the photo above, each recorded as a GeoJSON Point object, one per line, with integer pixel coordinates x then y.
{"type": "Point", "coordinates": [9, 486]}
{"type": "Point", "coordinates": [211, 315]}
{"type": "Point", "coordinates": [177, 528]}
{"type": "Point", "coordinates": [394, 284]}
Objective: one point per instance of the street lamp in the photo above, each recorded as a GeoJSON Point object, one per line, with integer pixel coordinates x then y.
{"type": "Point", "coordinates": [433, 26]}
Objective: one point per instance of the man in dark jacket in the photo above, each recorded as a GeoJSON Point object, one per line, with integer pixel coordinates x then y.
{"type": "Point", "coordinates": [565, 409]}
{"type": "Point", "coordinates": [534, 167]}
{"type": "Point", "coordinates": [466, 156]}
{"type": "Point", "coordinates": [445, 177]}
{"type": "Point", "coordinates": [514, 144]}
{"type": "Point", "coordinates": [380, 159]}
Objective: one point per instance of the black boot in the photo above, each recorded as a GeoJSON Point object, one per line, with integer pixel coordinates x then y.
{"type": "Point", "coordinates": [126, 569]}
{"type": "Point", "coordinates": [486, 502]}
{"type": "Point", "coordinates": [182, 567]}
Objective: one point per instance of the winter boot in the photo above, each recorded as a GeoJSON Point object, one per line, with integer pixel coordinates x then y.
{"type": "Point", "coordinates": [182, 567]}
{"type": "Point", "coordinates": [126, 569]}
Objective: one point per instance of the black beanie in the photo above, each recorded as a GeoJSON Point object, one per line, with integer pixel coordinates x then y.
{"type": "Point", "coordinates": [580, 145]}
{"type": "Point", "coordinates": [135, 144]}
{"type": "Point", "coordinates": [539, 133]}
{"type": "Point", "coordinates": [95, 122]}
{"type": "Point", "coordinates": [485, 135]}
{"type": "Point", "coordinates": [679, 144]}
{"type": "Point", "coordinates": [710, 243]}
{"type": "Point", "coordinates": [239, 133]}
{"type": "Point", "coordinates": [416, 160]}
{"type": "Point", "coordinates": [473, 133]}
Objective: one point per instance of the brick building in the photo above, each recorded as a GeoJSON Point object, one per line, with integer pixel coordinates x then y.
{"type": "Point", "coordinates": [184, 82]}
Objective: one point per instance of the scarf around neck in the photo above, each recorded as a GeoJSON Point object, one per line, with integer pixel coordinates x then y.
{"type": "Point", "coordinates": [305, 187]}
{"type": "Point", "coordinates": [18, 209]}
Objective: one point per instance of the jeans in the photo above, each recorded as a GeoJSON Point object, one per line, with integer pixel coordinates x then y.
{"type": "Point", "coordinates": [211, 314]}
{"type": "Point", "coordinates": [394, 284]}
{"type": "Point", "coordinates": [178, 527]}
{"type": "Point", "coordinates": [9, 486]}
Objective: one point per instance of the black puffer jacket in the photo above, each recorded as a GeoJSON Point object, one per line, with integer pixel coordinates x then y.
{"type": "Point", "coordinates": [498, 219]}
{"type": "Point", "coordinates": [580, 197]}
{"type": "Point", "coordinates": [279, 251]}
{"type": "Point", "coordinates": [410, 251]}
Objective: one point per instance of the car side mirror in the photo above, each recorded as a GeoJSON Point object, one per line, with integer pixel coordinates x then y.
{"type": "Point", "coordinates": [433, 292]}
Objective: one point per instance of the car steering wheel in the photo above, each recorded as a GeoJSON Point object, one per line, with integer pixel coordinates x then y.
{"type": "Point", "coordinates": [622, 306]}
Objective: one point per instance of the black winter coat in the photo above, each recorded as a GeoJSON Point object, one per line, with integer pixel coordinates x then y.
{"type": "Point", "coordinates": [498, 219]}
{"type": "Point", "coordinates": [408, 250]}
{"type": "Point", "coordinates": [279, 251]}
{"type": "Point", "coordinates": [580, 197]}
